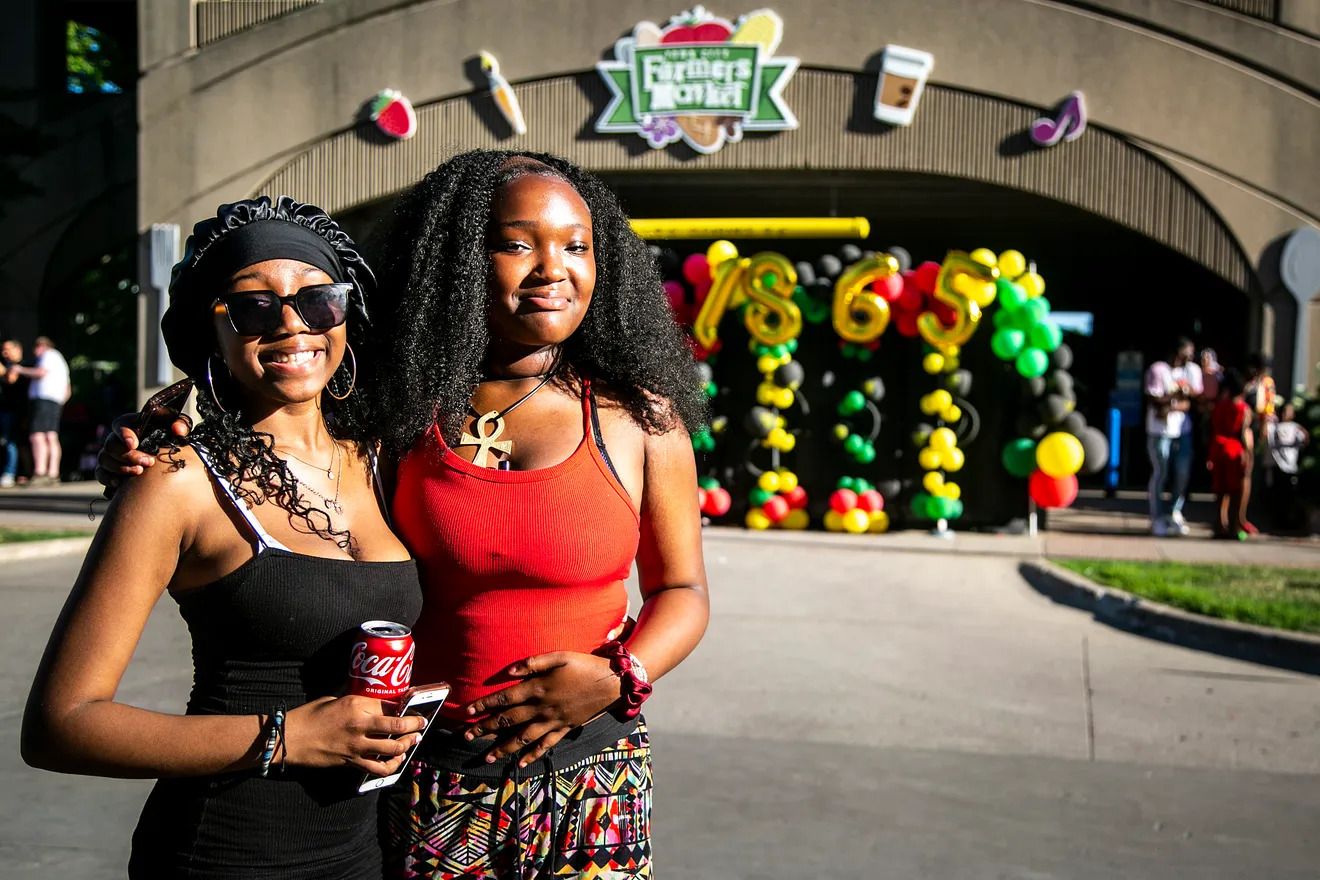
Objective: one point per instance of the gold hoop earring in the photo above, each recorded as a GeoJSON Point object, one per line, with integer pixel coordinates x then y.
{"type": "Point", "coordinates": [210, 386]}
{"type": "Point", "coordinates": [351, 382]}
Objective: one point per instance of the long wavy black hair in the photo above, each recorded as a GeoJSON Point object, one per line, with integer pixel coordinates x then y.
{"type": "Point", "coordinates": [433, 263]}
{"type": "Point", "coordinates": [243, 457]}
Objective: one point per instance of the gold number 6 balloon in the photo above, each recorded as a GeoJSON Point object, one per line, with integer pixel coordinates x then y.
{"type": "Point", "coordinates": [861, 315]}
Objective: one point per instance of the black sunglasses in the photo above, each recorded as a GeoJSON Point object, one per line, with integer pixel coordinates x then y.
{"type": "Point", "coordinates": [259, 312]}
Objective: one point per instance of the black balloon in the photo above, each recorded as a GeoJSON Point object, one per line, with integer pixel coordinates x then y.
{"type": "Point", "coordinates": [1036, 385]}
{"type": "Point", "coordinates": [849, 254]}
{"type": "Point", "coordinates": [903, 257]}
{"type": "Point", "coordinates": [1062, 383]}
{"type": "Point", "coordinates": [874, 388]}
{"type": "Point", "coordinates": [828, 266]}
{"type": "Point", "coordinates": [760, 421]}
{"type": "Point", "coordinates": [960, 382]}
{"type": "Point", "coordinates": [806, 273]}
{"type": "Point", "coordinates": [1095, 448]}
{"type": "Point", "coordinates": [889, 489]}
{"type": "Point", "coordinates": [1062, 357]}
{"type": "Point", "coordinates": [1029, 425]}
{"type": "Point", "coordinates": [789, 375]}
{"type": "Point", "coordinates": [866, 255]}
{"type": "Point", "coordinates": [920, 434]}
{"type": "Point", "coordinates": [704, 372]}
{"type": "Point", "coordinates": [822, 289]}
{"type": "Point", "coordinates": [1054, 408]}
{"type": "Point", "coordinates": [1074, 424]}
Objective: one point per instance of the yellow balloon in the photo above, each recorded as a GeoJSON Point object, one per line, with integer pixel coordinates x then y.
{"type": "Point", "coordinates": [775, 438]}
{"type": "Point", "coordinates": [952, 414]}
{"type": "Point", "coordinates": [941, 399]}
{"type": "Point", "coordinates": [942, 439]}
{"type": "Point", "coordinates": [788, 480]}
{"type": "Point", "coordinates": [929, 404]}
{"type": "Point", "coordinates": [861, 315]}
{"type": "Point", "coordinates": [856, 521]}
{"type": "Point", "coordinates": [1012, 264]}
{"type": "Point", "coordinates": [879, 522]}
{"type": "Point", "coordinates": [796, 521]}
{"type": "Point", "coordinates": [768, 481]}
{"type": "Point", "coordinates": [952, 490]}
{"type": "Point", "coordinates": [765, 394]}
{"type": "Point", "coordinates": [933, 362]}
{"type": "Point", "coordinates": [787, 443]}
{"type": "Point", "coordinates": [984, 256]}
{"type": "Point", "coordinates": [784, 398]}
{"type": "Point", "coordinates": [766, 364]}
{"type": "Point", "coordinates": [1059, 454]}
{"type": "Point", "coordinates": [933, 482]}
{"type": "Point", "coordinates": [1033, 284]}
{"type": "Point", "coordinates": [772, 317]}
{"type": "Point", "coordinates": [833, 521]}
{"type": "Point", "coordinates": [780, 421]}
{"type": "Point", "coordinates": [719, 252]}
{"type": "Point", "coordinates": [841, 431]}
{"type": "Point", "coordinates": [757, 520]}
{"type": "Point", "coordinates": [929, 459]}
{"type": "Point", "coordinates": [951, 363]}
{"type": "Point", "coordinates": [954, 459]}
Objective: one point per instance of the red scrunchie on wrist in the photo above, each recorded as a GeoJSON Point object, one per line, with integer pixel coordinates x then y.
{"type": "Point", "coordinates": [635, 690]}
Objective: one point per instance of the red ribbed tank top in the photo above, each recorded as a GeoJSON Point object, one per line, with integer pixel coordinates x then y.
{"type": "Point", "coordinates": [513, 563]}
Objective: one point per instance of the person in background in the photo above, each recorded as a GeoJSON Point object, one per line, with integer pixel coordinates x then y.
{"type": "Point", "coordinates": [1285, 439]}
{"type": "Point", "coordinates": [1171, 386]}
{"type": "Point", "coordinates": [1212, 373]}
{"type": "Point", "coordinates": [47, 394]}
{"type": "Point", "coordinates": [13, 407]}
{"type": "Point", "coordinates": [1262, 398]}
{"type": "Point", "coordinates": [1230, 455]}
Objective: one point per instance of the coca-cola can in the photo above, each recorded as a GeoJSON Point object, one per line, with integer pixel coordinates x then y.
{"type": "Point", "coordinates": [381, 662]}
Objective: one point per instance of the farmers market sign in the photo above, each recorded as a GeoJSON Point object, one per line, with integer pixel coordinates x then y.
{"type": "Point", "coordinates": [700, 79]}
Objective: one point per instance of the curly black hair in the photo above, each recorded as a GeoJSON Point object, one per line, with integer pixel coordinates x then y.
{"type": "Point", "coordinates": [243, 457]}
{"type": "Point", "coordinates": [433, 262]}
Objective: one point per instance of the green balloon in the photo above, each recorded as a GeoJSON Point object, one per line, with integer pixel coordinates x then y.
{"type": "Point", "coordinates": [708, 483]}
{"type": "Point", "coordinates": [1038, 308]}
{"type": "Point", "coordinates": [1032, 362]}
{"type": "Point", "coordinates": [1002, 318]}
{"type": "Point", "coordinates": [1019, 457]}
{"type": "Point", "coordinates": [779, 350]}
{"type": "Point", "coordinates": [955, 508]}
{"type": "Point", "coordinates": [759, 496]}
{"type": "Point", "coordinates": [864, 354]}
{"type": "Point", "coordinates": [1010, 294]}
{"type": "Point", "coordinates": [1045, 335]}
{"type": "Point", "coordinates": [853, 402]}
{"type": "Point", "coordinates": [791, 346]}
{"type": "Point", "coordinates": [921, 505]}
{"type": "Point", "coordinates": [854, 444]}
{"type": "Point", "coordinates": [867, 454]}
{"type": "Point", "coordinates": [861, 485]}
{"type": "Point", "coordinates": [848, 483]}
{"type": "Point", "coordinates": [1007, 343]}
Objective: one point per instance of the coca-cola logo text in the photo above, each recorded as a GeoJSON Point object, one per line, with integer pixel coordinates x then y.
{"type": "Point", "coordinates": [384, 671]}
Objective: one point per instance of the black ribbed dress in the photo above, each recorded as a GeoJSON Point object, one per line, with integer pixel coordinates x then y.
{"type": "Point", "coordinates": [277, 630]}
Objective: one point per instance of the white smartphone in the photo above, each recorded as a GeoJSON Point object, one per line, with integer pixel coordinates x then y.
{"type": "Point", "coordinates": [424, 701]}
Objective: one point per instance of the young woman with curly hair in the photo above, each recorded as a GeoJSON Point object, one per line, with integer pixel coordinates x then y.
{"type": "Point", "coordinates": [268, 529]}
{"type": "Point", "coordinates": [538, 396]}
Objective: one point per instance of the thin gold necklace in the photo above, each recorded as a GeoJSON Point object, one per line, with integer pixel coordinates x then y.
{"type": "Point", "coordinates": [328, 472]}
{"type": "Point", "coordinates": [337, 462]}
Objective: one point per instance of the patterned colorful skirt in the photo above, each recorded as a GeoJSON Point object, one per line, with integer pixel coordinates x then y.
{"type": "Point", "coordinates": [583, 810]}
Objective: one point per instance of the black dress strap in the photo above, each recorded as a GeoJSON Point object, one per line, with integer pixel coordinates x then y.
{"type": "Point", "coordinates": [595, 432]}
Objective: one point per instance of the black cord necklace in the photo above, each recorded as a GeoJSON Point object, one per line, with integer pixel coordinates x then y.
{"type": "Point", "coordinates": [484, 441]}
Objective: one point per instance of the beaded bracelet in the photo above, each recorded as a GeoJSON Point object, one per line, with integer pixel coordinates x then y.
{"type": "Point", "coordinates": [273, 739]}
{"type": "Point", "coordinates": [636, 687]}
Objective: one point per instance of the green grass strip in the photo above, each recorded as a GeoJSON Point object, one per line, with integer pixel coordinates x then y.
{"type": "Point", "coordinates": [1284, 598]}
{"type": "Point", "coordinates": [16, 536]}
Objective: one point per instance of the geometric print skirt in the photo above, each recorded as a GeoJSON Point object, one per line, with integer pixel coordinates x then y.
{"type": "Point", "coordinates": [582, 811]}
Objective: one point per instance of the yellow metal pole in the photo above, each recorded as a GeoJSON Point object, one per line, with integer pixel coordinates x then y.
{"type": "Point", "coordinates": [754, 227]}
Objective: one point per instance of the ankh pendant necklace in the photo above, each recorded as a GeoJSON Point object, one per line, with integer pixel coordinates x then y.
{"type": "Point", "coordinates": [485, 440]}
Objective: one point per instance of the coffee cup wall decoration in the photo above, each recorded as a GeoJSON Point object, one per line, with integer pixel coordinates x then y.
{"type": "Point", "coordinates": [903, 74]}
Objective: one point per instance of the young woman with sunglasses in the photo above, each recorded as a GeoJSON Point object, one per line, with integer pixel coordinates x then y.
{"type": "Point", "coordinates": [268, 530]}
{"type": "Point", "coordinates": [539, 395]}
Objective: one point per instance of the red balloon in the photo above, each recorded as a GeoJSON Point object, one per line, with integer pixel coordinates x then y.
{"type": "Point", "coordinates": [1050, 492]}
{"type": "Point", "coordinates": [925, 276]}
{"type": "Point", "coordinates": [776, 508]}
{"type": "Point", "coordinates": [889, 288]}
{"type": "Point", "coordinates": [947, 315]}
{"type": "Point", "coordinates": [870, 501]}
{"type": "Point", "coordinates": [718, 501]}
{"type": "Point", "coordinates": [696, 268]}
{"type": "Point", "coordinates": [906, 322]}
{"type": "Point", "coordinates": [797, 499]}
{"type": "Point", "coordinates": [911, 298]}
{"type": "Point", "coordinates": [843, 500]}
{"type": "Point", "coordinates": [702, 498]}
{"type": "Point", "coordinates": [699, 294]}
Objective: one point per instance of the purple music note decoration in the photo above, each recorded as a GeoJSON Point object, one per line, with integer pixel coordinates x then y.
{"type": "Point", "coordinates": [1069, 126]}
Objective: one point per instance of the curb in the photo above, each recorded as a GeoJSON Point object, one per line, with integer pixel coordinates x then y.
{"type": "Point", "coordinates": [898, 541]}
{"type": "Point", "coordinates": [24, 550]}
{"type": "Point", "coordinates": [1257, 644]}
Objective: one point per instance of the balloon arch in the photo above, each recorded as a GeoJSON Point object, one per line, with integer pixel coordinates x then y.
{"type": "Point", "coordinates": [860, 294]}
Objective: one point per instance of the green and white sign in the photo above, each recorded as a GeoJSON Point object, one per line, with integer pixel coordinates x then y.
{"type": "Point", "coordinates": [700, 79]}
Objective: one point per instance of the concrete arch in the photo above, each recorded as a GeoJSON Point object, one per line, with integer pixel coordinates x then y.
{"type": "Point", "coordinates": [1100, 173]}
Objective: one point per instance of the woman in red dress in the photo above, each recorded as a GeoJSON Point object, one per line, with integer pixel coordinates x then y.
{"type": "Point", "coordinates": [1230, 455]}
